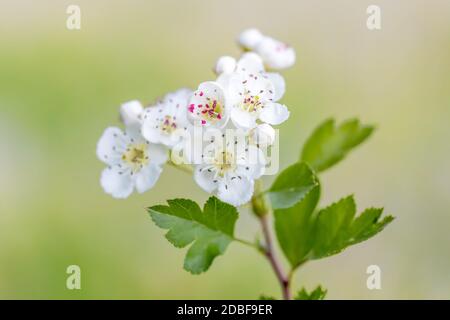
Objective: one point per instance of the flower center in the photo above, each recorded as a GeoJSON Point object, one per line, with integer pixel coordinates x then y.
{"type": "Point", "coordinates": [168, 124]}
{"type": "Point", "coordinates": [211, 110]}
{"type": "Point", "coordinates": [251, 103]}
{"type": "Point", "coordinates": [136, 156]}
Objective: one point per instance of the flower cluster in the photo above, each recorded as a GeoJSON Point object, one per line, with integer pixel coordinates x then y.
{"type": "Point", "coordinates": [243, 100]}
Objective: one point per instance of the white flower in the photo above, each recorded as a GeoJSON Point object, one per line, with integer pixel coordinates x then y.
{"type": "Point", "coordinates": [132, 162]}
{"type": "Point", "coordinates": [130, 113]}
{"type": "Point", "coordinates": [167, 121]}
{"type": "Point", "coordinates": [207, 106]}
{"type": "Point", "coordinates": [252, 93]}
{"type": "Point", "coordinates": [251, 63]}
{"type": "Point", "coordinates": [275, 54]}
{"type": "Point", "coordinates": [230, 172]}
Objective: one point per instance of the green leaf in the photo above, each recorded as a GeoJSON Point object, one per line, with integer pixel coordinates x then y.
{"type": "Point", "coordinates": [367, 225]}
{"type": "Point", "coordinates": [209, 231]}
{"type": "Point", "coordinates": [316, 294]}
{"type": "Point", "coordinates": [304, 234]}
{"type": "Point", "coordinates": [294, 228]}
{"type": "Point", "coordinates": [291, 185]}
{"type": "Point", "coordinates": [329, 144]}
{"type": "Point", "coordinates": [331, 227]}
{"type": "Point", "coordinates": [336, 227]}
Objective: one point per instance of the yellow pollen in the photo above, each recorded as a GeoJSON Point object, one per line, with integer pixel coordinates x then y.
{"type": "Point", "coordinates": [136, 156]}
{"type": "Point", "coordinates": [168, 124]}
{"type": "Point", "coordinates": [251, 103]}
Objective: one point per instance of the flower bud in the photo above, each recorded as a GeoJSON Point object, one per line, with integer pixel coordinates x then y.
{"type": "Point", "coordinates": [250, 38]}
{"type": "Point", "coordinates": [225, 64]}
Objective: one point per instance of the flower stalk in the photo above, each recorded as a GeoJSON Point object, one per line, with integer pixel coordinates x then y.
{"type": "Point", "coordinates": [261, 208]}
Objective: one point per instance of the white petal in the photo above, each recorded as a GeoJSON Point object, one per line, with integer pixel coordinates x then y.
{"type": "Point", "coordinates": [251, 63]}
{"type": "Point", "coordinates": [175, 103]}
{"type": "Point", "coordinates": [116, 183]}
{"type": "Point", "coordinates": [150, 131]}
{"type": "Point", "coordinates": [147, 177]}
{"type": "Point", "coordinates": [243, 119]}
{"type": "Point", "coordinates": [263, 135]}
{"type": "Point", "coordinates": [250, 38]}
{"type": "Point", "coordinates": [179, 96]}
{"type": "Point", "coordinates": [259, 85]}
{"type": "Point", "coordinates": [276, 54]}
{"type": "Point", "coordinates": [158, 154]}
{"type": "Point", "coordinates": [205, 179]}
{"type": "Point", "coordinates": [110, 144]}
{"type": "Point", "coordinates": [232, 83]}
{"type": "Point", "coordinates": [130, 113]}
{"type": "Point", "coordinates": [225, 64]}
{"type": "Point", "coordinates": [252, 163]}
{"type": "Point", "coordinates": [278, 83]}
{"type": "Point", "coordinates": [151, 124]}
{"type": "Point", "coordinates": [274, 113]}
{"type": "Point", "coordinates": [236, 191]}
{"type": "Point", "coordinates": [133, 134]}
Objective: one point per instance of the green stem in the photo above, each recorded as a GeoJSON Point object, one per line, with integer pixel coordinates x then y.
{"type": "Point", "coordinates": [247, 243]}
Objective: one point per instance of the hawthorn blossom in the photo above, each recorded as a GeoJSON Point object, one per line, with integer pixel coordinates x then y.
{"type": "Point", "coordinates": [276, 54]}
{"type": "Point", "coordinates": [208, 106]}
{"type": "Point", "coordinates": [249, 63]}
{"type": "Point", "coordinates": [252, 94]}
{"type": "Point", "coordinates": [166, 122]}
{"type": "Point", "coordinates": [243, 99]}
{"type": "Point", "coordinates": [133, 162]}
{"type": "Point", "coordinates": [229, 172]}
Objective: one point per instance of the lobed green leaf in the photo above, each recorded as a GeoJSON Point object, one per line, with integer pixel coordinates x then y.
{"type": "Point", "coordinates": [305, 235]}
{"type": "Point", "coordinates": [209, 231]}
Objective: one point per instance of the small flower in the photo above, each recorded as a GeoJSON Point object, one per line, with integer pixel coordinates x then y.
{"type": "Point", "coordinates": [207, 106]}
{"type": "Point", "coordinates": [130, 113]}
{"type": "Point", "coordinates": [276, 54]}
{"type": "Point", "coordinates": [252, 93]}
{"type": "Point", "coordinates": [251, 63]}
{"type": "Point", "coordinates": [230, 172]}
{"type": "Point", "coordinates": [133, 162]}
{"type": "Point", "coordinates": [166, 122]}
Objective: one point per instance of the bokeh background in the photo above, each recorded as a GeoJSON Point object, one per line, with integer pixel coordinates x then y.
{"type": "Point", "coordinates": [59, 89]}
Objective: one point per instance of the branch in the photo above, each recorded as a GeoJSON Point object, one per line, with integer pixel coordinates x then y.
{"type": "Point", "coordinates": [283, 279]}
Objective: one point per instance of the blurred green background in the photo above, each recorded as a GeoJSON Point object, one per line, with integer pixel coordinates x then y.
{"type": "Point", "coordinates": [59, 89]}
